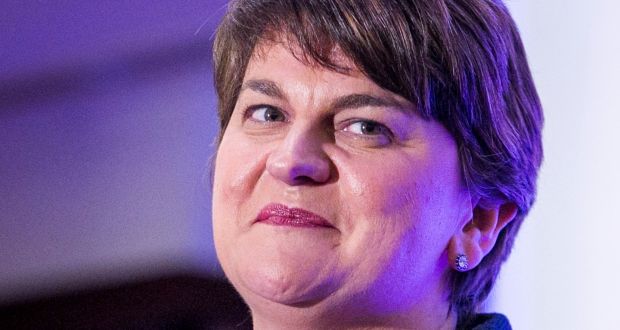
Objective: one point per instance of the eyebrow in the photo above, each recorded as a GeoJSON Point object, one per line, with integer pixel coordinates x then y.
{"type": "Point", "coordinates": [354, 101]}
{"type": "Point", "coordinates": [263, 86]}
{"type": "Point", "coordinates": [351, 101]}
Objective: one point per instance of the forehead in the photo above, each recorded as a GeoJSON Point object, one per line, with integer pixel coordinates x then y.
{"type": "Point", "coordinates": [331, 57]}
{"type": "Point", "coordinates": [283, 72]}
{"type": "Point", "coordinates": [287, 65]}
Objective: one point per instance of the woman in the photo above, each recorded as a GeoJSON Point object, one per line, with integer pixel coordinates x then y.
{"type": "Point", "coordinates": [375, 161]}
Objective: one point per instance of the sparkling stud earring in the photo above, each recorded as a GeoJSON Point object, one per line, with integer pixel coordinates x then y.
{"type": "Point", "coordinates": [461, 262]}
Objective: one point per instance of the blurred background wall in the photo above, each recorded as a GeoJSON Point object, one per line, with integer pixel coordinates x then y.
{"type": "Point", "coordinates": [106, 124]}
{"type": "Point", "coordinates": [563, 273]}
{"type": "Point", "coordinates": [106, 128]}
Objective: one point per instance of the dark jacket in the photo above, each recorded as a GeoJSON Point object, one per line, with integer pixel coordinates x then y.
{"type": "Point", "coordinates": [488, 322]}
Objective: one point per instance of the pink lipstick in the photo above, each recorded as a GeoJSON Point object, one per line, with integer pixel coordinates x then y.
{"type": "Point", "coordinates": [281, 215]}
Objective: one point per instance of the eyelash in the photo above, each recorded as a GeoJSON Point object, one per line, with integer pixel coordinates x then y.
{"type": "Point", "coordinates": [382, 129]}
{"type": "Point", "coordinates": [249, 112]}
{"type": "Point", "coordinates": [343, 127]}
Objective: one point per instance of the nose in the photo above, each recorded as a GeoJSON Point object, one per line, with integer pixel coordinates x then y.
{"type": "Point", "coordinates": [300, 159]}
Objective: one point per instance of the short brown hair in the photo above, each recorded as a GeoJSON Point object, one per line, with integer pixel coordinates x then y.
{"type": "Point", "coordinates": [461, 62]}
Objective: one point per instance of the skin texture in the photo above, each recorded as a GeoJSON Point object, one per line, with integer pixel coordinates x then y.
{"type": "Point", "coordinates": [393, 194]}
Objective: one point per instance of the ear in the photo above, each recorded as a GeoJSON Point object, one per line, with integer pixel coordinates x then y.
{"type": "Point", "coordinates": [476, 238]}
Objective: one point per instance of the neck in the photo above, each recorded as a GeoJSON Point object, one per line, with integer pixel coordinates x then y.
{"type": "Point", "coordinates": [427, 307]}
{"type": "Point", "coordinates": [307, 318]}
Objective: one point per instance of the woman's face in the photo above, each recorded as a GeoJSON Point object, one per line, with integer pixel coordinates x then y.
{"type": "Point", "coordinates": [333, 194]}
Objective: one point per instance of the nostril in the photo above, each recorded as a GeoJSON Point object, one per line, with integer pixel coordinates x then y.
{"type": "Point", "coordinates": [309, 172]}
{"type": "Point", "coordinates": [301, 165]}
{"type": "Point", "coordinates": [303, 179]}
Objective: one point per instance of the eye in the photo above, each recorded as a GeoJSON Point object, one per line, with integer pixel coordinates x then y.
{"type": "Point", "coordinates": [366, 133]}
{"type": "Point", "coordinates": [265, 113]}
{"type": "Point", "coordinates": [367, 127]}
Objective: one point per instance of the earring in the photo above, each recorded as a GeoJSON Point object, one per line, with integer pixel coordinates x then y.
{"type": "Point", "coordinates": [461, 262]}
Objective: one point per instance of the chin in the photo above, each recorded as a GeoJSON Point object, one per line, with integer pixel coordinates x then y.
{"type": "Point", "coordinates": [288, 289]}
{"type": "Point", "coordinates": [281, 280]}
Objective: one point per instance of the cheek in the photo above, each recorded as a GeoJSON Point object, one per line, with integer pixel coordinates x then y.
{"type": "Point", "coordinates": [238, 167]}
{"type": "Point", "coordinates": [419, 189]}
{"type": "Point", "coordinates": [404, 200]}
{"type": "Point", "coordinates": [378, 209]}
{"type": "Point", "coordinates": [384, 191]}
{"type": "Point", "coordinates": [405, 209]}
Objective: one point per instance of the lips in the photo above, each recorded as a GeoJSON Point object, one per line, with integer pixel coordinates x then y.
{"type": "Point", "coordinates": [281, 215]}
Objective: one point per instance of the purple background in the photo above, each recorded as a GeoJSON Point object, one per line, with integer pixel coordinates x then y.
{"type": "Point", "coordinates": [106, 125]}
{"type": "Point", "coordinates": [107, 117]}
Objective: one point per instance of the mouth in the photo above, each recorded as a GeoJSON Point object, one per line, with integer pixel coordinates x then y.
{"type": "Point", "coordinates": [282, 215]}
